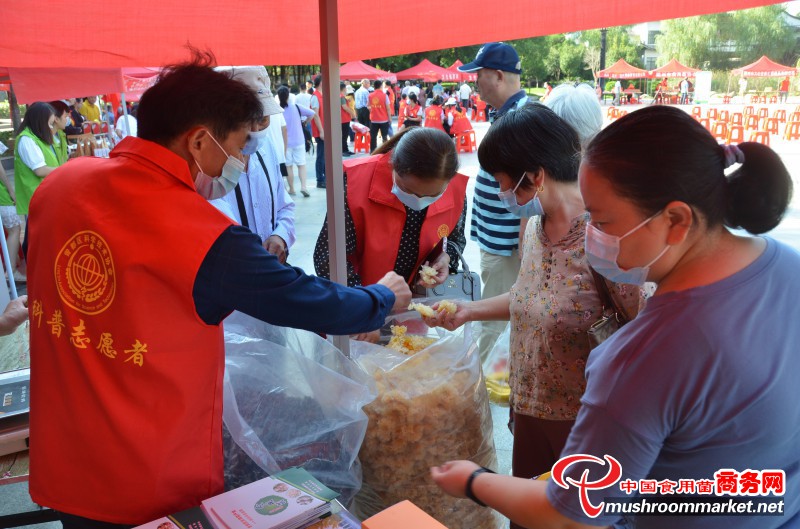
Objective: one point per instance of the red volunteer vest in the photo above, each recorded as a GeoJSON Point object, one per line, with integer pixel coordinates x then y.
{"type": "Point", "coordinates": [126, 400]}
{"type": "Point", "coordinates": [379, 216]}
{"type": "Point", "coordinates": [433, 117]}
{"type": "Point", "coordinates": [461, 123]}
{"type": "Point", "coordinates": [401, 113]}
{"type": "Point", "coordinates": [377, 107]}
{"type": "Point", "coordinates": [320, 97]}
{"type": "Point", "coordinates": [392, 99]}
{"type": "Point", "coordinates": [411, 111]}
{"type": "Point", "coordinates": [345, 114]}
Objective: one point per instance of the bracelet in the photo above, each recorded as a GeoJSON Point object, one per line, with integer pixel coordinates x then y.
{"type": "Point", "coordinates": [468, 491]}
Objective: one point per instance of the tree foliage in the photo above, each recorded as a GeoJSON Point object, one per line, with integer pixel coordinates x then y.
{"type": "Point", "coordinates": [728, 40]}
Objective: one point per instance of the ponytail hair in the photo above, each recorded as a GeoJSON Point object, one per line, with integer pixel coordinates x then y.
{"type": "Point", "coordinates": [657, 155]}
{"type": "Point", "coordinates": [426, 153]}
{"type": "Point", "coordinates": [283, 96]}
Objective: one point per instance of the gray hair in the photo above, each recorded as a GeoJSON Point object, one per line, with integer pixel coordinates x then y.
{"type": "Point", "coordinates": [578, 106]}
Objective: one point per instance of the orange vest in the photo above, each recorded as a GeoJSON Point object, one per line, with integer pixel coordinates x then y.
{"type": "Point", "coordinates": [320, 97]}
{"type": "Point", "coordinates": [392, 99]}
{"type": "Point", "coordinates": [433, 117]}
{"type": "Point", "coordinates": [379, 216]}
{"type": "Point", "coordinates": [377, 107]}
{"type": "Point", "coordinates": [401, 114]}
{"type": "Point", "coordinates": [126, 402]}
{"type": "Point", "coordinates": [411, 111]}
{"type": "Point", "coordinates": [461, 123]}
{"type": "Point", "coordinates": [345, 114]}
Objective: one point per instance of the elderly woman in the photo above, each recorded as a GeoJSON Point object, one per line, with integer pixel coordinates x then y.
{"type": "Point", "coordinates": [534, 156]}
{"type": "Point", "coordinates": [400, 202]}
{"type": "Point", "coordinates": [705, 378]}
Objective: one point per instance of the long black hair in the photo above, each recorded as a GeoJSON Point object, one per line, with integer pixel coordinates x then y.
{"type": "Point", "coordinates": [283, 96]}
{"type": "Point", "coordinates": [530, 139]}
{"type": "Point", "coordinates": [661, 154]}
{"type": "Point", "coordinates": [426, 153]}
{"type": "Point", "coordinates": [37, 119]}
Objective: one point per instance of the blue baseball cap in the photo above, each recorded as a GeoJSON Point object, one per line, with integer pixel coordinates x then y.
{"type": "Point", "coordinates": [496, 56]}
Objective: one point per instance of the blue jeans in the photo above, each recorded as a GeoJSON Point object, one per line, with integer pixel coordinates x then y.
{"type": "Point", "coordinates": [320, 164]}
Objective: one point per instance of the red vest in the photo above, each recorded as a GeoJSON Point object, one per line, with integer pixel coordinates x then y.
{"type": "Point", "coordinates": [126, 400]}
{"type": "Point", "coordinates": [320, 97]}
{"type": "Point", "coordinates": [377, 107]}
{"type": "Point", "coordinates": [461, 123]}
{"type": "Point", "coordinates": [412, 111]}
{"type": "Point", "coordinates": [345, 114]}
{"type": "Point", "coordinates": [379, 216]}
{"type": "Point", "coordinates": [433, 117]}
{"type": "Point", "coordinates": [401, 114]}
{"type": "Point", "coordinates": [392, 99]}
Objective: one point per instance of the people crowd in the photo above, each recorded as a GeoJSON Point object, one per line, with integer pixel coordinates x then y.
{"type": "Point", "coordinates": [193, 216]}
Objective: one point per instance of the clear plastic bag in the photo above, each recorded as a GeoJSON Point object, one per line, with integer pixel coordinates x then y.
{"type": "Point", "coordinates": [495, 367]}
{"type": "Point", "coordinates": [431, 407]}
{"type": "Point", "coordinates": [291, 399]}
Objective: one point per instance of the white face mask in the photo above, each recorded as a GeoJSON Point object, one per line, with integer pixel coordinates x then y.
{"type": "Point", "coordinates": [602, 251]}
{"type": "Point", "coordinates": [255, 141]}
{"type": "Point", "coordinates": [413, 201]}
{"type": "Point", "coordinates": [210, 187]}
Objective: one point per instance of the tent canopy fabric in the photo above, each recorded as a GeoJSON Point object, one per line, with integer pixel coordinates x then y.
{"type": "Point", "coordinates": [622, 70]}
{"type": "Point", "coordinates": [764, 67]}
{"type": "Point", "coordinates": [428, 72]}
{"type": "Point", "coordinates": [49, 84]}
{"type": "Point", "coordinates": [673, 69]}
{"type": "Point", "coordinates": [357, 70]}
{"type": "Point", "coordinates": [464, 77]}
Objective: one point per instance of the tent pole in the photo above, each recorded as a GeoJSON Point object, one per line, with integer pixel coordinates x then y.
{"type": "Point", "coordinates": [329, 48]}
{"type": "Point", "coordinates": [9, 272]}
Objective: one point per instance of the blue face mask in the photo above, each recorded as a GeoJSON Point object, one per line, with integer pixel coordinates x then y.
{"type": "Point", "coordinates": [254, 141]}
{"type": "Point", "coordinates": [531, 208]}
{"type": "Point", "coordinates": [413, 201]}
{"type": "Point", "coordinates": [602, 251]}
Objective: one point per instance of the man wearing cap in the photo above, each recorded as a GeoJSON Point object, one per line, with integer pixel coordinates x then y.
{"type": "Point", "coordinates": [497, 234]}
{"type": "Point", "coordinates": [126, 338]}
{"type": "Point", "coordinates": [260, 201]}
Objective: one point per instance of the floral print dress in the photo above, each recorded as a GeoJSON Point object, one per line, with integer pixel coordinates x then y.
{"type": "Point", "coordinates": [553, 303]}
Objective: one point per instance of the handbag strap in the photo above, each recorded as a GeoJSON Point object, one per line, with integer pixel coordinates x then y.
{"type": "Point", "coordinates": [606, 298]}
{"type": "Point", "coordinates": [464, 265]}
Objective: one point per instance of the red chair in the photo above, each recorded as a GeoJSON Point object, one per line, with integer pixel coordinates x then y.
{"type": "Point", "coordinates": [87, 127]}
{"type": "Point", "coordinates": [751, 122]}
{"type": "Point", "coordinates": [612, 113]}
{"type": "Point", "coordinates": [792, 131]}
{"type": "Point", "coordinates": [362, 142]}
{"type": "Point", "coordinates": [104, 128]}
{"type": "Point", "coordinates": [735, 134]}
{"type": "Point", "coordinates": [759, 136]}
{"type": "Point", "coordinates": [762, 100]}
{"type": "Point", "coordinates": [762, 112]}
{"type": "Point", "coordinates": [706, 123]}
{"type": "Point", "coordinates": [95, 127]}
{"type": "Point", "coordinates": [794, 116]}
{"type": "Point", "coordinates": [712, 113]}
{"type": "Point", "coordinates": [736, 119]}
{"type": "Point", "coordinates": [726, 99]}
{"type": "Point", "coordinates": [753, 100]}
{"type": "Point", "coordinates": [724, 115]}
{"type": "Point", "coordinates": [771, 126]}
{"type": "Point", "coordinates": [780, 115]}
{"type": "Point", "coordinates": [773, 100]}
{"type": "Point", "coordinates": [465, 141]}
{"type": "Point", "coordinates": [720, 131]}
{"type": "Point", "coordinates": [697, 112]}
{"type": "Point", "coordinates": [749, 109]}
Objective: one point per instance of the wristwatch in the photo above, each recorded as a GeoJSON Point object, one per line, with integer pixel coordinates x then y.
{"type": "Point", "coordinates": [472, 476]}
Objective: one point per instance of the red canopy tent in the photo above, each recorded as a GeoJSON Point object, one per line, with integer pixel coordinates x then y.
{"type": "Point", "coordinates": [428, 72]}
{"type": "Point", "coordinates": [764, 67]}
{"type": "Point", "coordinates": [673, 69]}
{"type": "Point", "coordinates": [464, 77]}
{"type": "Point", "coordinates": [622, 70]}
{"type": "Point", "coordinates": [357, 70]}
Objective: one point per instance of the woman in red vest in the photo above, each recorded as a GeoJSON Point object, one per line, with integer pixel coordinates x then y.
{"type": "Point", "coordinates": [434, 115]}
{"type": "Point", "coordinates": [399, 203]}
{"type": "Point", "coordinates": [402, 111]}
{"type": "Point", "coordinates": [458, 120]}
{"type": "Point", "coordinates": [412, 116]}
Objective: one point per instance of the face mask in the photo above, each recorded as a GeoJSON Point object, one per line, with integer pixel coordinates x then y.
{"type": "Point", "coordinates": [602, 251]}
{"type": "Point", "coordinates": [255, 141]}
{"type": "Point", "coordinates": [531, 208]}
{"type": "Point", "coordinates": [210, 187]}
{"type": "Point", "coordinates": [413, 201]}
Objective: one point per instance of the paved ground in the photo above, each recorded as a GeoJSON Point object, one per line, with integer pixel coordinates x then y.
{"type": "Point", "coordinates": [311, 212]}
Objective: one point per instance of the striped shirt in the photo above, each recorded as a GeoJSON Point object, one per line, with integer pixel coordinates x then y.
{"type": "Point", "coordinates": [493, 227]}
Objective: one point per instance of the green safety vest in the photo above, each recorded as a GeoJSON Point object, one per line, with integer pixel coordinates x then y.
{"type": "Point", "coordinates": [25, 180]}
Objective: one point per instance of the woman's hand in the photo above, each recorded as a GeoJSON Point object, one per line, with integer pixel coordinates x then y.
{"type": "Point", "coordinates": [442, 266]}
{"type": "Point", "coordinates": [370, 337]}
{"type": "Point", "coordinates": [449, 321]}
{"type": "Point", "coordinates": [452, 476]}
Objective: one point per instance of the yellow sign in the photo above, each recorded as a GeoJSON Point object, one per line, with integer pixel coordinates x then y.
{"type": "Point", "coordinates": [84, 273]}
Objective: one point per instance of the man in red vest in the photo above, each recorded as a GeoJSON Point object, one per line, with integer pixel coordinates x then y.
{"type": "Point", "coordinates": [378, 115]}
{"type": "Point", "coordinates": [317, 105]}
{"type": "Point", "coordinates": [132, 272]}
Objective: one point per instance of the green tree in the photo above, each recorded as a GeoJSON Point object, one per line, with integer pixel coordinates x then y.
{"type": "Point", "coordinates": [727, 40]}
{"type": "Point", "coordinates": [619, 45]}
